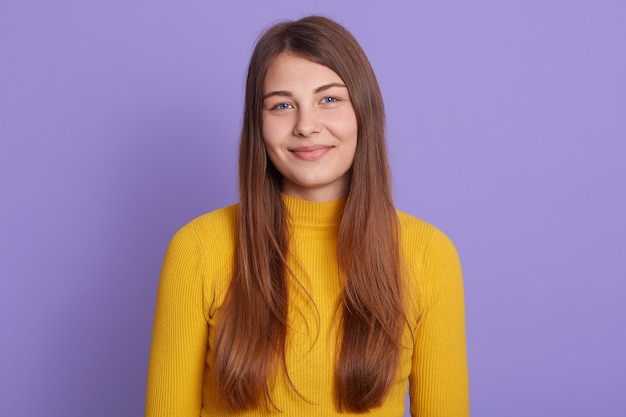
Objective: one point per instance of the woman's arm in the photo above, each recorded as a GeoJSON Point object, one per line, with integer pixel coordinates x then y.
{"type": "Point", "coordinates": [179, 338]}
{"type": "Point", "coordinates": [439, 380]}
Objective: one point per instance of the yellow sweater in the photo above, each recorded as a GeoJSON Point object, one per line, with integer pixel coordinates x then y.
{"type": "Point", "coordinates": [195, 277]}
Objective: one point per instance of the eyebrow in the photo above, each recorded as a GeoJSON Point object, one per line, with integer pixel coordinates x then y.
{"type": "Point", "coordinates": [285, 93]}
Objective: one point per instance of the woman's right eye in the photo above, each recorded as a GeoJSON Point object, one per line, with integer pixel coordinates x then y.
{"type": "Point", "coordinates": [283, 106]}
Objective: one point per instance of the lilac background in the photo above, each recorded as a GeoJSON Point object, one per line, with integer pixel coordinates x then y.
{"type": "Point", "coordinates": [507, 126]}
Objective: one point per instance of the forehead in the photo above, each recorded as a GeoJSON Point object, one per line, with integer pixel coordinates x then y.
{"type": "Point", "coordinates": [288, 71]}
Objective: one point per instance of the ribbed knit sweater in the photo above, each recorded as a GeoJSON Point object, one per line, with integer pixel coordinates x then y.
{"type": "Point", "coordinates": [194, 280]}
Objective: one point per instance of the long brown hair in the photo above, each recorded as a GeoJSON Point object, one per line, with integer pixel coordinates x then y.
{"type": "Point", "coordinates": [251, 331]}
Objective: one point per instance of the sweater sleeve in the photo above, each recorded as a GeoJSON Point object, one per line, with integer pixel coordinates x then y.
{"type": "Point", "coordinates": [180, 333]}
{"type": "Point", "coordinates": [439, 378]}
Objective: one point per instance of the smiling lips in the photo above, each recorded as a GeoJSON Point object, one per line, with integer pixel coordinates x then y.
{"type": "Point", "coordinates": [310, 153]}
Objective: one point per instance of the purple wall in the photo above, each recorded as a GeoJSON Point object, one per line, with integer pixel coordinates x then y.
{"type": "Point", "coordinates": [507, 127]}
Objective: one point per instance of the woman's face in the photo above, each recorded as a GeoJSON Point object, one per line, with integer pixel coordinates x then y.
{"type": "Point", "coordinates": [309, 127]}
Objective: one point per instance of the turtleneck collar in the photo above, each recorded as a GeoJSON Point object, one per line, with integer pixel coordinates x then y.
{"type": "Point", "coordinates": [312, 213]}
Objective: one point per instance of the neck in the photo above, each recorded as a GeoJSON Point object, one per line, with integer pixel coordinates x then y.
{"type": "Point", "coordinates": [314, 213]}
{"type": "Point", "coordinates": [321, 194]}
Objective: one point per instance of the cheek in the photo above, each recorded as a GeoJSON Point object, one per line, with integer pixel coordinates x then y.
{"type": "Point", "coordinates": [268, 138]}
{"type": "Point", "coordinates": [265, 128]}
{"type": "Point", "coordinates": [272, 130]}
{"type": "Point", "coordinates": [345, 127]}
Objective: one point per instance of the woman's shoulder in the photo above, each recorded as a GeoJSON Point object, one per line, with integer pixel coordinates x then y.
{"type": "Point", "coordinates": [419, 232]}
{"type": "Point", "coordinates": [215, 229]}
{"type": "Point", "coordinates": [222, 218]}
{"type": "Point", "coordinates": [431, 258]}
{"type": "Point", "coordinates": [424, 243]}
{"type": "Point", "coordinates": [199, 257]}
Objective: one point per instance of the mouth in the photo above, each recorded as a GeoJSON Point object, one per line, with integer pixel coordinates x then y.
{"type": "Point", "coordinates": [310, 153]}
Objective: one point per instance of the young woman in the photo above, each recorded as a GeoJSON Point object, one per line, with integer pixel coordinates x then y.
{"type": "Point", "coordinates": [313, 296]}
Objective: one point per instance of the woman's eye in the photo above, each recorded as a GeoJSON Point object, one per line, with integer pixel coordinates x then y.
{"type": "Point", "coordinates": [283, 106]}
{"type": "Point", "coordinates": [329, 99]}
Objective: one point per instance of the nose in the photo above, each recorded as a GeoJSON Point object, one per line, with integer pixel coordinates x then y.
{"type": "Point", "coordinates": [307, 123]}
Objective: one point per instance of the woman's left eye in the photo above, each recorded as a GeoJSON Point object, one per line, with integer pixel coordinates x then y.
{"type": "Point", "coordinates": [329, 99]}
